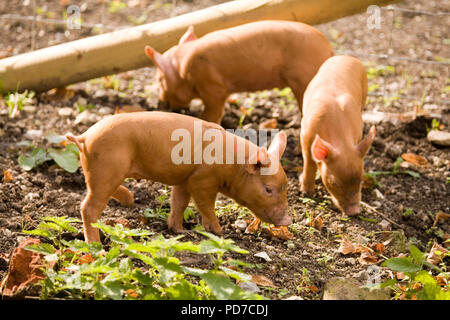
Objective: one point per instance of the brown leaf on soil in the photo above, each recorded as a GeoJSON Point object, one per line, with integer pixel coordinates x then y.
{"type": "Point", "coordinates": [379, 247]}
{"type": "Point", "coordinates": [415, 159]}
{"type": "Point", "coordinates": [60, 94]}
{"type": "Point", "coordinates": [313, 288]}
{"type": "Point", "coordinates": [253, 226]}
{"type": "Point", "coordinates": [436, 254]}
{"type": "Point", "coordinates": [87, 258]}
{"type": "Point", "coordinates": [281, 233]}
{"type": "Point", "coordinates": [400, 275]}
{"type": "Point", "coordinates": [132, 293]}
{"type": "Point", "coordinates": [368, 182]}
{"type": "Point", "coordinates": [112, 222]}
{"type": "Point", "coordinates": [268, 124]}
{"type": "Point", "coordinates": [441, 281]}
{"type": "Point", "coordinates": [263, 281]}
{"type": "Point", "coordinates": [7, 176]}
{"type": "Point", "coordinates": [128, 109]}
{"type": "Point", "coordinates": [318, 223]}
{"type": "Point", "coordinates": [367, 256]}
{"type": "Point", "coordinates": [347, 247]}
{"type": "Point", "coordinates": [440, 216]}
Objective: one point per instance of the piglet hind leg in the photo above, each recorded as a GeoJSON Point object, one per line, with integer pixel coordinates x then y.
{"type": "Point", "coordinates": [100, 188]}
{"type": "Point", "coordinates": [179, 200]}
{"type": "Point", "coordinates": [91, 210]}
{"type": "Point", "coordinates": [124, 196]}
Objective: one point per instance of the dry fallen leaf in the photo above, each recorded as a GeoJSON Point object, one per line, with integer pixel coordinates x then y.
{"type": "Point", "coordinates": [281, 233]}
{"type": "Point", "coordinates": [268, 124]}
{"type": "Point", "coordinates": [367, 256]}
{"type": "Point", "coordinates": [87, 258]}
{"type": "Point", "coordinates": [60, 94]}
{"type": "Point", "coordinates": [440, 216]}
{"type": "Point", "coordinates": [263, 281]}
{"type": "Point", "coordinates": [7, 176]}
{"type": "Point", "coordinates": [441, 280]}
{"type": "Point", "coordinates": [436, 254]}
{"type": "Point", "coordinates": [415, 159]}
{"type": "Point", "coordinates": [347, 247]}
{"type": "Point", "coordinates": [379, 247]}
{"type": "Point", "coordinates": [318, 223]}
{"type": "Point", "coordinates": [253, 226]}
{"type": "Point", "coordinates": [132, 293]}
{"type": "Point", "coordinates": [112, 222]}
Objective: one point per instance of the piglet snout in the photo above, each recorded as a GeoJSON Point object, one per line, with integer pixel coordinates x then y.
{"type": "Point", "coordinates": [352, 210]}
{"type": "Point", "coordinates": [284, 220]}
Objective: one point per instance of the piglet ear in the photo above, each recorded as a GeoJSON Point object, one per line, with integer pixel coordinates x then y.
{"type": "Point", "coordinates": [365, 143]}
{"type": "Point", "coordinates": [278, 144]}
{"type": "Point", "coordinates": [320, 149]}
{"type": "Point", "coordinates": [258, 159]}
{"type": "Point", "coordinates": [189, 35]}
{"type": "Point", "coordinates": [161, 62]}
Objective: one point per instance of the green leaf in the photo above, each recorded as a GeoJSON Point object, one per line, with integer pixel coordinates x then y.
{"type": "Point", "coordinates": [168, 267]}
{"type": "Point", "coordinates": [111, 290]}
{"type": "Point", "coordinates": [401, 265]}
{"type": "Point", "coordinates": [72, 147]}
{"type": "Point", "coordinates": [184, 290]}
{"type": "Point", "coordinates": [53, 137]}
{"type": "Point", "coordinates": [44, 248]}
{"type": "Point", "coordinates": [221, 286]}
{"type": "Point", "coordinates": [412, 173]}
{"type": "Point", "coordinates": [66, 159]}
{"type": "Point", "coordinates": [416, 254]}
{"type": "Point", "coordinates": [41, 232]}
{"type": "Point", "coordinates": [26, 163]}
{"type": "Point", "coordinates": [236, 274]}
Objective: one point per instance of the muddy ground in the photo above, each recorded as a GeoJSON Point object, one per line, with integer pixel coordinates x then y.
{"type": "Point", "coordinates": [408, 204]}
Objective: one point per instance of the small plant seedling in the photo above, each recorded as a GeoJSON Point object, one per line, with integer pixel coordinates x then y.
{"type": "Point", "coordinates": [66, 157]}
{"type": "Point", "coordinates": [395, 171]}
{"type": "Point", "coordinates": [407, 212]}
{"type": "Point", "coordinates": [16, 101]}
{"type": "Point", "coordinates": [116, 6]}
{"type": "Point", "coordinates": [418, 283]}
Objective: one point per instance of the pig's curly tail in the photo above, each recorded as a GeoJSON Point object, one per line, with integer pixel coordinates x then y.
{"type": "Point", "coordinates": [78, 140]}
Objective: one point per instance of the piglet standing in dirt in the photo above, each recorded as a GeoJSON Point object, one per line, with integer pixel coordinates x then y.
{"type": "Point", "coordinates": [157, 146]}
{"type": "Point", "coordinates": [331, 131]}
{"type": "Point", "coordinates": [254, 56]}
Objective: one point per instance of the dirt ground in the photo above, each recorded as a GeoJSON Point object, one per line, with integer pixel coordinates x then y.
{"type": "Point", "coordinates": [409, 204]}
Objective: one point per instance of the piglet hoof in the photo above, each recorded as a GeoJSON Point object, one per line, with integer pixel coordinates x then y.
{"type": "Point", "coordinates": [177, 229]}
{"type": "Point", "coordinates": [216, 229]}
{"type": "Point", "coordinates": [305, 188]}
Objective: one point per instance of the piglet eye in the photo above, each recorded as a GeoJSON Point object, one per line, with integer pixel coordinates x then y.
{"type": "Point", "coordinates": [268, 190]}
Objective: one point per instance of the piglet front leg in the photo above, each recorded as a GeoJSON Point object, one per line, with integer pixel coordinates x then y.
{"type": "Point", "coordinates": [179, 200]}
